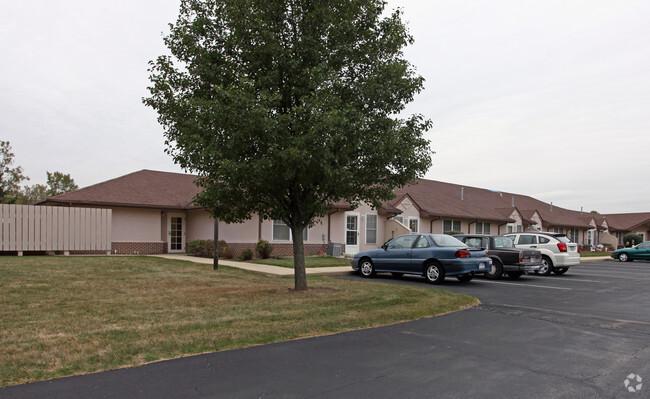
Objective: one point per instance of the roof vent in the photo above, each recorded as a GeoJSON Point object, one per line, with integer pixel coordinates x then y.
{"type": "Point", "coordinates": [551, 206]}
{"type": "Point", "coordinates": [462, 192]}
{"type": "Point", "coordinates": [513, 201]}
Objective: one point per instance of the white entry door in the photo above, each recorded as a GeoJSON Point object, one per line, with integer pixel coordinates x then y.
{"type": "Point", "coordinates": [351, 233]}
{"type": "Point", "coordinates": [176, 233]}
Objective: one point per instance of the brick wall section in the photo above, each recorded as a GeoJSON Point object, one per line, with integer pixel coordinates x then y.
{"type": "Point", "coordinates": [140, 248]}
{"type": "Point", "coordinates": [278, 249]}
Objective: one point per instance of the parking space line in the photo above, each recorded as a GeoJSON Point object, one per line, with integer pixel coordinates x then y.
{"type": "Point", "coordinates": [526, 285]}
{"type": "Point", "coordinates": [575, 279]}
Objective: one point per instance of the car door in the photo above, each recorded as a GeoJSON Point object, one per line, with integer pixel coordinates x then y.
{"type": "Point", "coordinates": [396, 254]}
{"type": "Point", "coordinates": [643, 251]}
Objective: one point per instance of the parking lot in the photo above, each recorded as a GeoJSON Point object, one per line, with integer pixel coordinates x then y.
{"type": "Point", "coordinates": [580, 335]}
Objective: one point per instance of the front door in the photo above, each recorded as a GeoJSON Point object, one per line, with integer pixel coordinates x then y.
{"type": "Point", "coordinates": [176, 233]}
{"type": "Point", "coordinates": [351, 233]}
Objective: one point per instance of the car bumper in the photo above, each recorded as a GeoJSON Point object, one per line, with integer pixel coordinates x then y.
{"type": "Point", "coordinates": [454, 267]}
{"type": "Point", "coordinates": [355, 264]}
{"type": "Point", "coordinates": [523, 267]}
{"type": "Point", "coordinates": [567, 259]}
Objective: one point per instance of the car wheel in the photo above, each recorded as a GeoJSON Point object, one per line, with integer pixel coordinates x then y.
{"type": "Point", "coordinates": [434, 273]}
{"type": "Point", "coordinates": [560, 270]}
{"type": "Point", "coordinates": [397, 275]}
{"type": "Point", "coordinates": [366, 268]}
{"type": "Point", "coordinates": [547, 266]}
{"type": "Point", "coordinates": [514, 275]}
{"type": "Point", "coordinates": [465, 278]}
{"type": "Point", "coordinates": [496, 271]}
{"type": "Point", "coordinates": [623, 257]}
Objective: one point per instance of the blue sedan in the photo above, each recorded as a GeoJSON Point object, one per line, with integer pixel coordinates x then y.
{"type": "Point", "coordinates": [433, 256]}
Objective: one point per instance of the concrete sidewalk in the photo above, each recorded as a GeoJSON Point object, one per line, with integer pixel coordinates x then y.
{"type": "Point", "coordinates": [256, 267]}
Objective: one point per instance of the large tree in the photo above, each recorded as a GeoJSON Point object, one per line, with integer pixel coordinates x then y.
{"type": "Point", "coordinates": [10, 177]}
{"type": "Point", "coordinates": [284, 107]}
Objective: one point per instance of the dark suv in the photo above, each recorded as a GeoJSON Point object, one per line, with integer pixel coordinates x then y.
{"type": "Point", "coordinates": [505, 257]}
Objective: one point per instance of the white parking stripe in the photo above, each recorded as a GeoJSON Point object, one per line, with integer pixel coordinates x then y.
{"type": "Point", "coordinates": [574, 279]}
{"type": "Point", "coordinates": [525, 285]}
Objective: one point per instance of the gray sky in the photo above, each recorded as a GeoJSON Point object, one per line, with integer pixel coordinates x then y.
{"type": "Point", "coordinates": [546, 98]}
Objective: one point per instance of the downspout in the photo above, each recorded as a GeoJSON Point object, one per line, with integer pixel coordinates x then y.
{"type": "Point", "coordinates": [468, 226]}
{"type": "Point", "coordinates": [499, 228]}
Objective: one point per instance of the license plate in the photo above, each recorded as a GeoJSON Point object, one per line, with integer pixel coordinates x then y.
{"type": "Point", "coordinates": [481, 265]}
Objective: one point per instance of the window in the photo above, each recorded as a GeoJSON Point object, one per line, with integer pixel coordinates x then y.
{"type": "Point", "coordinates": [573, 235]}
{"type": "Point", "coordinates": [483, 228]}
{"type": "Point", "coordinates": [414, 224]}
{"type": "Point", "coordinates": [422, 242]}
{"type": "Point", "coordinates": [558, 230]}
{"type": "Point", "coordinates": [520, 228]}
{"type": "Point", "coordinates": [399, 219]}
{"type": "Point", "coordinates": [282, 232]}
{"type": "Point", "coordinates": [450, 225]}
{"type": "Point", "coordinates": [544, 240]}
{"type": "Point", "coordinates": [402, 242]}
{"type": "Point", "coordinates": [371, 229]}
{"type": "Point", "coordinates": [527, 240]}
{"type": "Point", "coordinates": [510, 228]}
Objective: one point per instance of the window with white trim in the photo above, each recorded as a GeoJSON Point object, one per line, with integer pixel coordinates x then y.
{"type": "Point", "coordinates": [282, 232]}
{"type": "Point", "coordinates": [371, 228]}
{"type": "Point", "coordinates": [414, 224]}
{"type": "Point", "coordinates": [483, 228]}
{"type": "Point", "coordinates": [450, 225]}
{"type": "Point", "coordinates": [573, 235]}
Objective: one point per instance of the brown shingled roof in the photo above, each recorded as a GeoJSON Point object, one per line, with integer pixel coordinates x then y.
{"type": "Point", "coordinates": [143, 189]}
{"type": "Point", "coordinates": [626, 221]}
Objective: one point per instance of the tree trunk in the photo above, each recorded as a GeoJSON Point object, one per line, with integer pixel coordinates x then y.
{"type": "Point", "coordinates": [215, 254]}
{"type": "Point", "coordinates": [300, 276]}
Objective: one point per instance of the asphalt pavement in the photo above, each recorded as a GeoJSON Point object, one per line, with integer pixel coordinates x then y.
{"type": "Point", "coordinates": [580, 335]}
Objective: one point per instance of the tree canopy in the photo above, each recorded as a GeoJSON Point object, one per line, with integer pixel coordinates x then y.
{"type": "Point", "coordinates": [285, 107]}
{"type": "Point", "coordinates": [10, 177]}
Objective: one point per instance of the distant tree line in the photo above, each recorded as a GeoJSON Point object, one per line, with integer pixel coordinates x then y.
{"type": "Point", "coordinates": [11, 177]}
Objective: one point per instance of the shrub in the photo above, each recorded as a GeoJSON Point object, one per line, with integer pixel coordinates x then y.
{"type": "Point", "coordinates": [263, 249]}
{"type": "Point", "coordinates": [246, 254]}
{"type": "Point", "coordinates": [202, 248]}
{"type": "Point", "coordinates": [632, 239]}
{"type": "Point", "coordinates": [451, 233]}
{"type": "Point", "coordinates": [222, 249]}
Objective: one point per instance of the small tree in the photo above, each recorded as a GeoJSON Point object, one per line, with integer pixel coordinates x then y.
{"type": "Point", "coordinates": [10, 178]}
{"type": "Point", "coordinates": [285, 107]}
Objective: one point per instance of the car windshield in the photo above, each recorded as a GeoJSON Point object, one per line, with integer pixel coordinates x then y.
{"type": "Point", "coordinates": [444, 240]}
{"type": "Point", "coordinates": [503, 242]}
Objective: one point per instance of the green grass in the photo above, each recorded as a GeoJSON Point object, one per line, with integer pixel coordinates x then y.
{"type": "Point", "coordinates": [74, 315]}
{"type": "Point", "coordinates": [310, 261]}
{"type": "Point", "coordinates": [588, 254]}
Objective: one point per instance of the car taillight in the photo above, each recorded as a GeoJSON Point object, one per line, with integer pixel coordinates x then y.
{"type": "Point", "coordinates": [487, 253]}
{"type": "Point", "coordinates": [521, 257]}
{"type": "Point", "coordinates": [463, 253]}
{"type": "Point", "coordinates": [561, 246]}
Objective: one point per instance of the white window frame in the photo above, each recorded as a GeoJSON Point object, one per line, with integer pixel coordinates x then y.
{"type": "Point", "coordinates": [451, 221]}
{"type": "Point", "coordinates": [281, 223]}
{"type": "Point", "coordinates": [418, 224]}
{"type": "Point", "coordinates": [482, 224]}
{"type": "Point", "coordinates": [376, 227]}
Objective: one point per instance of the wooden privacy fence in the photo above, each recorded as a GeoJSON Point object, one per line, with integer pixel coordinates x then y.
{"type": "Point", "coordinates": [52, 228]}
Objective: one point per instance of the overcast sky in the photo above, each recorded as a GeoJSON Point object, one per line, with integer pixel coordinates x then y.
{"type": "Point", "coordinates": [547, 98]}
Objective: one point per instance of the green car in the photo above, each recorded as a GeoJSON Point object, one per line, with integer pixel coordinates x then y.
{"type": "Point", "coordinates": [641, 251]}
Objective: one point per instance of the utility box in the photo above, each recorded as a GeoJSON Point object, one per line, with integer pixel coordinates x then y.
{"type": "Point", "coordinates": [334, 248]}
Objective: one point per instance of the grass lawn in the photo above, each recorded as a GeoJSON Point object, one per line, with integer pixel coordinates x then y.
{"type": "Point", "coordinates": [310, 261]}
{"type": "Point", "coordinates": [588, 254]}
{"type": "Point", "coordinates": [74, 315]}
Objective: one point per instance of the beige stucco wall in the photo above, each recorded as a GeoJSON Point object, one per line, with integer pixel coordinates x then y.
{"type": "Point", "coordinates": [136, 225]}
